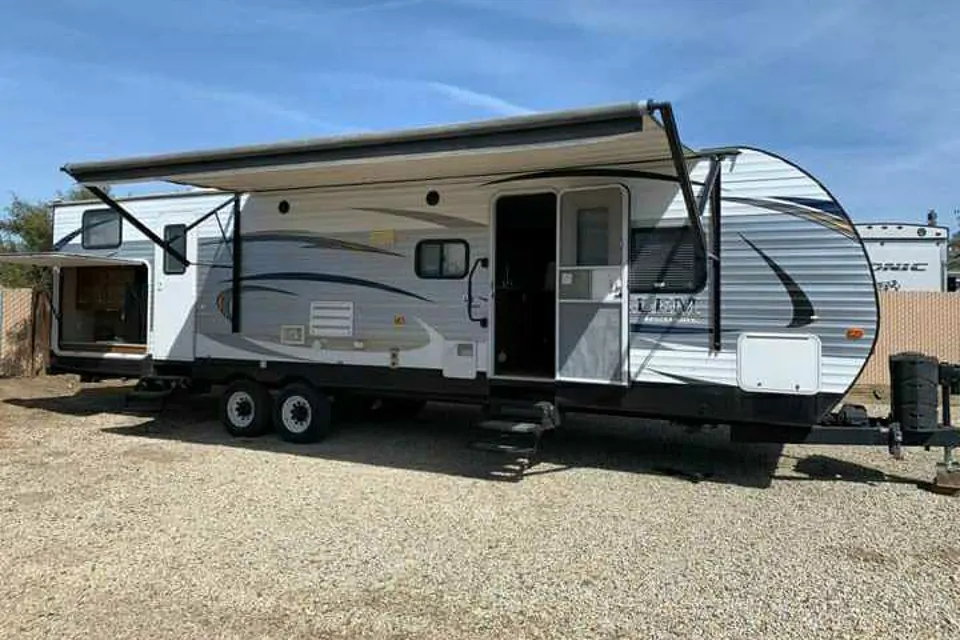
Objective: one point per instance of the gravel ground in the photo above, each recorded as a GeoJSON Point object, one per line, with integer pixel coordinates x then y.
{"type": "Point", "coordinates": [119, 526]}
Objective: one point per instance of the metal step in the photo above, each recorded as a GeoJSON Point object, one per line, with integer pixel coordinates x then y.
{"type": "Point", "coordinates": [153, 390]}
{"type": "Point", "coordinates": [542, 412]}
{"type": "Point", "coordinates": [509, 443]}
{"type": "Point", "coordinates": [515, 427]}
{"type": "Point", "coordinates": [154, 383]}
{"type": "Point", "coordinates": [509, 426]}
{"type": "Point", "coordinates": [519, 411]}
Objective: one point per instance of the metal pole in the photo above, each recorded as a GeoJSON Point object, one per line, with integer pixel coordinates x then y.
{"type": "Point", "coordinates": [237, 247]}
{"type": "Point", "coordinates": [714, 261]}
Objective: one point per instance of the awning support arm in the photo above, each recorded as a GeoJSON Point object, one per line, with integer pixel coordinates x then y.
{"type": "Point", "coordinates": [139, 226]}
{"type": "Point", "coordinates": [680, 166]}
{"type": "Point", "coordinates": [237, 254]}
{"type": "Point", "coordinates": [213, 212]}
{"type": "Point", "coordinates": [713, 174]}
{"type": "Point", "coordinates": [695, 209]}
{"type": "Point", "coordinates": [716, 330]}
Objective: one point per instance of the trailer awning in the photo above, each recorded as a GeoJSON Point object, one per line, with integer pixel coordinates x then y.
{"type": "Point", "coordinates": [62, 259]}
{"type": "Point", "coordinates": [605, 135]}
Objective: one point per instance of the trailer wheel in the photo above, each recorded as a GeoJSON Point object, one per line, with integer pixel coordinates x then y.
{"type": "Point", "coordinates": [245, 409]}
{"type": "Point", "coordinates": [302, 414]}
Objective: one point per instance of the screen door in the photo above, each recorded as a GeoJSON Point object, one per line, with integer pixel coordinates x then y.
{"type": "Point", "coordinates": [592, 314]}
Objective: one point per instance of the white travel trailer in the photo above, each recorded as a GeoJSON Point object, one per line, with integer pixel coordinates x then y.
{"type": "Point", "coordinates": [907, 257]}
{"type": "Point", "coordinates": [579, 261]}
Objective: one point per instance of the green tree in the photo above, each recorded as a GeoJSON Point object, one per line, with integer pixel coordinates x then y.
{"type": "Point", "coordinates": [27, 227]}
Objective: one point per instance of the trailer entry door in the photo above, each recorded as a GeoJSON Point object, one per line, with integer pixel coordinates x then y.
{"type": "Point", "coordinates": [592, 257]}
{"type": "Point", "coordinates": [175, 295]}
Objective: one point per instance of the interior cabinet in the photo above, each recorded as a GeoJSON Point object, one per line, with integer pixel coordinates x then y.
{"type": "Point", "coordinates": [102, 288]}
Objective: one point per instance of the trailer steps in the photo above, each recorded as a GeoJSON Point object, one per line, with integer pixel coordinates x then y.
{"type": "Point", "coordinates": [515, 427]}
{"type": "Point", "coordinates": [153, 391]}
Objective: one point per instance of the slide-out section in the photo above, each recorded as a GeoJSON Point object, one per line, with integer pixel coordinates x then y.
{"type": "Point", "coordinates": [101, 303]}
{"type": "Point", "coordinates": [103, 309]}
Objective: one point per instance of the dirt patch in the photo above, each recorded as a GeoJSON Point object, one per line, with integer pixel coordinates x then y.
{"type": "Point", "coordinates": [28, 498]}
{"type": "Point", "coordinates": [868, 555]}
{"type": "Point", "coordinates": [153, 453]}
{"type": "Point", "coordinates": [949, 555]}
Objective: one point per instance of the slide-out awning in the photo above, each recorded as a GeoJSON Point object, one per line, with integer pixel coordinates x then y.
{"type": "Point", "coordinates": [62, 259]}
{"type": "Point", "coordinates": [585, 137]}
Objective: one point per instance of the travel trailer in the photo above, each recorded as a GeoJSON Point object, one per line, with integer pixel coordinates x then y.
{"type": "Point", "coordinates": [578, 261]}
{"type": "Point", "coordinates": [907, 257]}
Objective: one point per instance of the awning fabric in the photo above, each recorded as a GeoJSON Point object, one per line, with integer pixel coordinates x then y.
{"type": "Point", "coordinates": [61, 259]}
{"type": "Point", "coordinates": [605, 135]}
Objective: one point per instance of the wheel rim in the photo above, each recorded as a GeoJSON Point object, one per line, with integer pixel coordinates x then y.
{"type": "Point", "coordinates": [296, 414]}
{"type": "Point", "coordinates": [241, 409]}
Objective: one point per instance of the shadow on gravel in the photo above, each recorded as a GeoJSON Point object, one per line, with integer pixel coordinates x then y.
{"type": "Point", "coordinates": [436, 442]}
{"type": "Point", "coordinates": [823, 468]}
{"type": "Point", "coordinates": [86, 402]}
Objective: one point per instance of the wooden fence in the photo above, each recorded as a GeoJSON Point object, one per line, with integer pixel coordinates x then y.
{"type": "Point", "coordinates": [928, 322]}
{"type": "Point", "coordinates": [25, 335]}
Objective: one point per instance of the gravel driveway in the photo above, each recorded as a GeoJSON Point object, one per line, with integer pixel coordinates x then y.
{"type": "Point", "coordinates": [116, 526]}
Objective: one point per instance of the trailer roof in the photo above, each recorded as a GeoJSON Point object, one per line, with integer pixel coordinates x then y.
{"type": "Point", "coordinates": [610, 134]}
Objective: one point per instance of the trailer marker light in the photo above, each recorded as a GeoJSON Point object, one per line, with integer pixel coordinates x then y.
{"type": "Point", "coordinates": [854, 333]}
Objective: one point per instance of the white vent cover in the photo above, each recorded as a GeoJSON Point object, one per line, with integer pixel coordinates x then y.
{"type": "Point", "coordinates": [330, 319]}
{"type": "Point", "coordinates": [778, 363]}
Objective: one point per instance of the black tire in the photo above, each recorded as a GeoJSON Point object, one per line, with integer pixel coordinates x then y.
{"type": "Point", "coordinates": [302, 414]}
{"type": "Point", "coordinates": [245, 409]}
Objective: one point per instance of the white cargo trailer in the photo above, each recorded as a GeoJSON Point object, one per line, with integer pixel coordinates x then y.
{"type": "Point", "coordinates": [907, 257]}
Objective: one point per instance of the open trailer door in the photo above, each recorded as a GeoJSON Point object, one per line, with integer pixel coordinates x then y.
{"type": "Point", "coordinates": [100, 303]}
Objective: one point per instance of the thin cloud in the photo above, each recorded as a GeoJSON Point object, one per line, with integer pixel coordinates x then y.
{"type": "Point", "coordinates": [391, 87]}
{"type": "Point", "coordinates": [624, 18]}
{"type": "Point", "coordinates": [476, 99]}
{"type": "Point", "coordinates": [377, 6]}
{"type": "Point", "coordinates": [243, 16]}
{"type": "Point", "coordinates": [770, 48]}
{"type": "Point", "coordinates": [210, 95]}
{"type": "Point", "coordinates": [167, 86]}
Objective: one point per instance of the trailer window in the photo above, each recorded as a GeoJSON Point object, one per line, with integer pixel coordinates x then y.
{"type": "Point", "coordinates": [176, 236]}
{"type": "Point", "coordinates": [101, 229]}
{"type": "Point", "coordinates": [666, 260]}
{"type": "Point", "coordinates": [442, 259]}
{"type": "Point", "coordinates": [593, 237]}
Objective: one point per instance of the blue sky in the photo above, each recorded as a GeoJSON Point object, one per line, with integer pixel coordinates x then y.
{"type": "Point", "coordinates": [866, 95]}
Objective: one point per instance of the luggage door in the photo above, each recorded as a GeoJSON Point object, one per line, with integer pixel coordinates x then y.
{"type": "Point", "coordinates": [592, 286]}
{"type": "Point", "coordinates": [174, 296]}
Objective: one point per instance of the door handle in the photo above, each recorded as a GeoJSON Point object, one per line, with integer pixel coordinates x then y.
{"type": "Point", "coordinates": [617, 289]}
{"type": "Point", "coordinates": [480, 262]}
